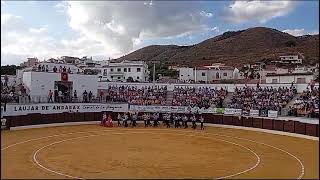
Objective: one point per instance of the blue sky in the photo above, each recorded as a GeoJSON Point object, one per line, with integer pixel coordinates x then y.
{"type": "Point", "coordinates": [104, 29]}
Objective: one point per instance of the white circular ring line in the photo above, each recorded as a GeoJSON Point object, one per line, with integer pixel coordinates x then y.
{"type": "Point", "coordinates": [300, 162]}
{"type": "Point", "coordinates": [223, 177]}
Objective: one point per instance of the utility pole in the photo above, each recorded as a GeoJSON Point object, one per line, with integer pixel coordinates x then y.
{"type": "Point", "coordinates": [260, 73]}
{"type": "Point", "coordinates": [154, 73]}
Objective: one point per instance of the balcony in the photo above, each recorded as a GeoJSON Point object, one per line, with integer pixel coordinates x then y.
{"type": "Point", "coordinates": [116, 73]}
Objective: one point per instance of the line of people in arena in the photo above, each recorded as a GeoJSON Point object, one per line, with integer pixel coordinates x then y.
{"type": "Point", "coordinates": [307, 104]}
{"type": "Point", "coordinates": [200, 97]}
{"type": "Point", "coordinates": [262, 98]}
{"type": "Point", "coordinates": [154, 119]}
{"type": "Point", "coordinates": [139, 96]}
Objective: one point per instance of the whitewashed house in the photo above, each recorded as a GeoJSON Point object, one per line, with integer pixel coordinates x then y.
{"type": "Point", "coordinates": [299, 78]}
{"type": "Point", "coordinates": [211, 73]}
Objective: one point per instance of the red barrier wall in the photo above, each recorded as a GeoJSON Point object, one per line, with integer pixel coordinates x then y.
{"type": "Point", "coordinates": [98, 116]}
{"type": "Point", "coordinates": [257, 122]}
{"type": "Point", "coordinates": [300, 127]}
{"type": "Point", "coordinates": [237, 121]}
{"type": "Point", "coordinates": [217, 119]}
{"type": "Point", "coordinates": [311, 129]}
{"type": "Point", "coordinates": [89, 116]}
{"type": "Point", "coordinates": [227, 120]}
{"type": "Point", "coordinates": [267, 124]}
{"type": "Point", "coordinates": [79, 117]}
{"type": "Point", "coordinates": [288, 126]}
{"type": "Point", "coordinates": [278, 125]}
{"type": "Point", "coordinates": [247, 121]}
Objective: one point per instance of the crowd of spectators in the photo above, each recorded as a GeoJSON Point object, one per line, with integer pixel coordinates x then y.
{"type": "Point", "coordinates": [262, 98]}
{"type": "Point", "coordinates": [198, 97]}
{"type": "Point", "coordinates": [45, 68]}
{"type": "Point", "coordinates": [11, 92]}
{"type": "Point", "coordinates": [307, 104]}
{"type": "Point", "coordinates": [154, 95]}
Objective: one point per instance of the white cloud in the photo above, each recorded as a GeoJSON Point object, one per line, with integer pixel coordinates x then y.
{"type": "Point", "coordinates": [262, 11]}
{"type": "Point", "coordinates": [38, 30]}
{"type": "Point", "coordinates": [299, 32]}
{"type": "Point", "coordinates": [117, 25]}
{"type": "Point", "coordinates": [206, 14]}
{"type": "Point", "coordinates": [103, 29]}
{"type": "Point", "coordinates": [19, 41]}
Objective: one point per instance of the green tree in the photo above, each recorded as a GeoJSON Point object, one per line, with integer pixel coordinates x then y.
{"type": "Point", "coordinates": [9, 69]}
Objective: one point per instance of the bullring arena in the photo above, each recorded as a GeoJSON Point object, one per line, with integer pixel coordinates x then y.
{"type": "Point", "coordinates": [250, 131]}
{"type": "Point", "coordinates": [225, 149]}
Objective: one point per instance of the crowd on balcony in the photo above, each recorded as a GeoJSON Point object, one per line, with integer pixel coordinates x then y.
{"type": "Point", "coordinates": [198, 97]}
{"type": "Point", "coordinates": [11, 92]}
{"type": "Point", "coordinates": [262, 98]}
{"type": "Point", "coordinates": [45, 68]}
{"type": "Point", "coordinates": [307, 104]}
{"type": "Point", "coordinates": [154, 95]}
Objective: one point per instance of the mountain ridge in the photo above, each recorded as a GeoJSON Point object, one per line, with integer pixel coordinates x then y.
{"type": "Point", "coordinates": [233, 48]}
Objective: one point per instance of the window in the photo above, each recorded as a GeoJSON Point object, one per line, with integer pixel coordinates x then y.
{"type": "Point", "coordinates": [138, 77]}
{"type": "Point", "coordinates": [119, 69]}
{"type": "Point", "coordinates": [105, 72]}
{"type": "Point", "coordinates": [217, 75]}
{"type": "Point", "coordinates": [181, 75]}
{"type": "Point", "coordinates": [119, 77]}
{"type": "Point", "coordinates": [129, 69]}
{"type": "Point", "coordinates": [301, 80]}
{"type": "Point", "coordinates": [274, 80]}
{"type": "Point", "coordinates": [111, 77]}
{"type": "Point", "coordinates": [138, 69]}
{"type": "Point", "coordinates": [111, 69]}
{"type": "Point", "coordinates": [203, 74]}
{"type": "Point", "coordinates": [125, 69]}
{"type": "Point", "coordinates": [225, 74]}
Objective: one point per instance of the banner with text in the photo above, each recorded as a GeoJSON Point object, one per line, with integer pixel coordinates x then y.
{"type": "Point", "coordinates": [273, 114]}
{"type": "Point", "coordinates": [254, 113]}
{"type": "Point", "coordinates": [48, 108]}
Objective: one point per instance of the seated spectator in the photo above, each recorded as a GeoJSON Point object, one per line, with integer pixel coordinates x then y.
{"type": "Point", "coordinates": [64, 69]}
{"type": "Point", "coordinates": [198, 97]}
{"type": "Point", "coordinates": [133, 95]}
{"type": "Point", "coordinates": [55, 69]}
{"type": "Point", "coordinates": [263, 99]}
{"type": "Point", "coordinates": [308, 103]}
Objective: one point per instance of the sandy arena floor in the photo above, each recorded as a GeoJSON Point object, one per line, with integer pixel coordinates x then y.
{"type": "Point", "coordinates": [92, 151]}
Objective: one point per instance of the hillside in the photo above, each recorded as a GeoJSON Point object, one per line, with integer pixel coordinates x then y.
{"type": "Point", "coordinates": [233, 48]}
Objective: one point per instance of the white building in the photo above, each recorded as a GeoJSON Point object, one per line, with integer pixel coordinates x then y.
{"type": "Point", "coordinates": [211, 73]}
{"type": "Point", "coordinates": [186, 74]}
{"type": "Point", "coordinates": [271, 70]}
{"type": "Point", "coordinates": [39, 84]}
{"type": "Point", "coordinates": [30, 62]}
{"type": "Point", "coordinates": [298, 78]}
{"type": "Point", "coordinates": [290, 59]}
{"type": "Point", "coordinates": [137, 70]}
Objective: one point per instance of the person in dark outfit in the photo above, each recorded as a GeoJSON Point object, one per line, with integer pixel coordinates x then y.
{"type": "Point", "coordinates": [193, 119]}
{"type": "Point", "coordinates": [201, 121]}
{"type": "Point", "coordinates": [125, 118]}
{"type": "Point", "coordinates": [134, 118]}
{"type": "Point", "coordinates": [185, 121]}
{"type": "Point", "coordinates": [168, 117]}
{"type": "Point", "coordinates": [145, 118]}
{"type": "Point", "coordinates": [119, 118]}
